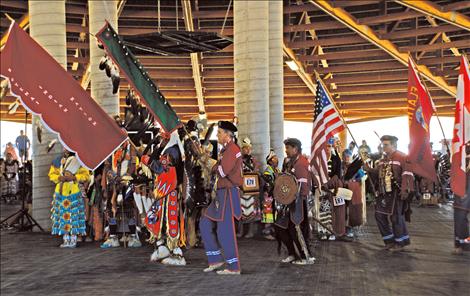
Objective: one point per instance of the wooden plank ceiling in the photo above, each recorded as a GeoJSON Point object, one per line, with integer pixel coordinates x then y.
{"type": "Point", "coordinates": [367, 83]}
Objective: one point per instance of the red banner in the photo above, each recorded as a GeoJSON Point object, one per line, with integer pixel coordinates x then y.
{"type": "Point", "coordinates": [46, 89]}
{"type": "Point", "coordinates": [420, 110]}
{"type": "Point", "coordinates": [461, 136]}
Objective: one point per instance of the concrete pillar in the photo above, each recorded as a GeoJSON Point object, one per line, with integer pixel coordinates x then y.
{"type": "Point", "coordinates": [251, 65]}
{"type": "Point", "coordinates": [47, 27]}
{"type": "Point", "coordinates": [276, 79]}
{"type": "Point", "coordinates": [101, 86]}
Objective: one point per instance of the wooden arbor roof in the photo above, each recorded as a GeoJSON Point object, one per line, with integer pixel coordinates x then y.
{"type": "Point", "coordinates": [364, 72]}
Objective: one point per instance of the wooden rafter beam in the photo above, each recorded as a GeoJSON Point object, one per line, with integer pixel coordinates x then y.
{"type": "Point", "coordinates": [359, 67]}
{"type": "Point", "coordinates": [318, 26]}
{"type": "Point", "coordinates": [343, 55]}
{"type": "Point", "coordinates": [81, 38]}
{"type": "Point", "coordinates": [305, 18]}
{"type": "Point", "coordinates": [419, 32]}
{"type": "Point", "coordinates": [428, 8]}
{"type": "Point", "coordinates": [377, 66]}
{"type": "Point", "coordinates": [195, 63]}
{"type": "Point", "coordinates": [331, 25]}
{"type": "Point", "coordinates": [213, 76]}
{"type": "Point", "coordinates": [306, 78]}
{"type": "Point", "coordinates": [71, 9]}
{"type": "Point", "coordinates": [300, 21]}
{"type": "Point", "coordinates": [456, 6]}
{"type": "Point", "coordinates": [378, 77]}
{"type": "Point", "coordinates": [310, 7]}
{"type": "Point", "coordinates": [22, 23]}
{"type": "Point", "coordinates": [120, 7]}
{"type": "Point", "coordinates": [443, 36]}
{"type": "Point", "coordinates": [157, 61]}
{"type": "Point", "coordinates": [435, 46]}
{"type": "Point", "coordinates": [372, 20]}
{"type": "Point", "coordinates": [367, 33]}
{"type": "Point", "coordinates": [75, 59]}
{"type": "Point", "coordinates": [171, 14]}
{"type": "Point", "coordinates": [389, 96]}
{"type": "Point", "coordinates": [391, 27]}
{"type": "Point", "coordinates": [314, 36]}
{"type": "Point", "coordinates": [370, 54]}
{"type": "Point", "coordinates": [353, 39]}
{"type": "Point", "coordinates": [380, 19]}
{"type": "Point", "coordinates": [149, 14]}
{"type": "Point", "coordinates": [125, 29]}
{"type": "Point", "coordinates": [15, 4]}
{"type": "Point", "coordinates": [432, 41]}
{"type": "Point", "coordinates": [374, 88]}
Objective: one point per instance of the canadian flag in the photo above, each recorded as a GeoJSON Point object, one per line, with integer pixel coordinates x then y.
{"type": "Point", "coordinates": [461, 135]}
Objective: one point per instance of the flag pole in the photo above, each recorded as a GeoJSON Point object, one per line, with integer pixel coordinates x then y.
{"type": "Point", "coordinates": [377, 134]}
{"type": "Point", "coordinates": [433, 105]}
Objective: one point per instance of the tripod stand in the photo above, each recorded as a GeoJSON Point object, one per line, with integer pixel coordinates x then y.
{"type": "Point", "coordinates": [21, 218]}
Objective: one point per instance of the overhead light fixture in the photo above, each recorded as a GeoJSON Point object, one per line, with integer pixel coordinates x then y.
{"type": "Point", "coordinates": [292, 65]}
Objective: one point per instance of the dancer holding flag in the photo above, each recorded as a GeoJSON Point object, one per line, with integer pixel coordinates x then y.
{"type": "Point", "coordinates": [326, 165]}
{"type": "Point", "coordinates": [394, 171]}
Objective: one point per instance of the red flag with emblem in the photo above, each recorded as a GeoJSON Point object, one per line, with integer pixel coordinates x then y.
{"type": "Point", "coordinates": [420, 110]}
{"type": "Point", "coordinates": [461, 135]}
{"type": "Point", "coordinates": [46, 89]}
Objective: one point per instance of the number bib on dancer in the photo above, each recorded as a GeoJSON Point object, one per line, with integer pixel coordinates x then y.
{"type": "Point", "coordinates": [250, 183]}
{"type": "Point", "coordinates": [342, 195]}
{"type": "Point", "coordinates": [338, 201]}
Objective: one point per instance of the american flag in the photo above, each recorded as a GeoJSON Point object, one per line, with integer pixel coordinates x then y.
{"type": "Point", "coordinates": [326, 122]}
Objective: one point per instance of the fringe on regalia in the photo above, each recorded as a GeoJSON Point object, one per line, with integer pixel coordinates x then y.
{"type": "Point", "coordinates": [68, 214]}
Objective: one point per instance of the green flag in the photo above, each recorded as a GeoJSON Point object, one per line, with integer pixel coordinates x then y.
{"type": "Point", "coordinates": [135, 73]}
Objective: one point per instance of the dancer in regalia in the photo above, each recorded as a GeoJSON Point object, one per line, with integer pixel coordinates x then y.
{"type": "Point", "coordinates": [268, 205]}
{"type": "Point", "coordinates": [120, 207]}
{"type": "Point", "coordinates": [292, 222]}
{"type": "Point", "coordinates": [165, 218]}
{"type": "Point", "coordinates": [68, 210]}
{"type": "Point", "coordinates": [217, 223]}
{"type": "Point", "coordinates": [251, 198]}
{"type": "Point", "coordinates": [396, 182]}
